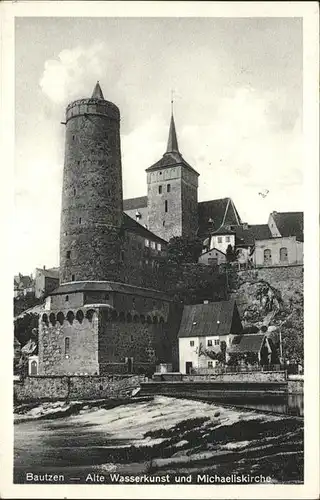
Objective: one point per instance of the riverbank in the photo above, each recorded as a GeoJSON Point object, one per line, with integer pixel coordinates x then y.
{"type": "Point", "coordinates": [158, 437]}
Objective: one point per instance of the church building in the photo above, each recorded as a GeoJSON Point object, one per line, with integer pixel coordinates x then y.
{"type": "Point", "coordinates": [171, 207]}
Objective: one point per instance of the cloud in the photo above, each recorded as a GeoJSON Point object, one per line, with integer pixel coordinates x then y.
{"type": "Point", "coordinates": [73, 72]}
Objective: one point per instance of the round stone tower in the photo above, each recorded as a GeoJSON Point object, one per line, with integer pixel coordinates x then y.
{"type": "Point", "coordinates": [91, 214]}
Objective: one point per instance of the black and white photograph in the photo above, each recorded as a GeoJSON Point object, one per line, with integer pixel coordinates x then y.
{"type": "Point", "coordinates": [161, 271]}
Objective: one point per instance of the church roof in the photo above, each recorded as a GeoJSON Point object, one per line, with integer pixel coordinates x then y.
{"type": "Point", "coordinates": [172, 156]}
{"type": "Point", "coordinates": [215, 213]}
{"type": "Point", "coordinates": [253, 233]}
{"type": "Point", "coordinates": [289, 224]}
{"type": "Point", "coordinates": [201, 320]}
{"type": "Point", "coordinates": [135, 203]}
{"type": "Point", "coordinates": [97, 92]}
{"type": "Point", "coordinates": [172, 145]}
{"type": "Point", "coordinates": [129, 224]}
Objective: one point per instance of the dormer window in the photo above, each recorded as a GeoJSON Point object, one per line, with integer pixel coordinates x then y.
{"type": "Point", "coordinates": [138, 215]}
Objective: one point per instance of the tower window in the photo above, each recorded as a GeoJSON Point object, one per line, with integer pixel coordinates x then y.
{"type": "Point", "coordinates": [73, 137]}
{"type": "Point", "coordinates": [164, 223]}
{"type": "Point", "coordinates": [122, 255]}
{"type": "Point", "coordinates": [68, 254]}
{"type": "Point", "coordinates": [160, 189]}
{"type": "Point", "coordinates": [168, 188]}
{"type": "Point", "coordinates": [79, 220]}
{"type": "Point", "coordinates": [74, 191]}
{"type": "Point", "coordinates": [166, 206]}
{"type": "Point", "coordinates": [73, 277]}
{"type": "Point", "coordinates": [78, 162]}
{"type": "Point", "coordinates": [67, 298]}
{"type": "Point", "coordinates": [67, 347]}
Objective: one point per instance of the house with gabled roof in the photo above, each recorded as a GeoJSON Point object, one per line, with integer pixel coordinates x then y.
{"type": "Point", "coordinates": [251, 347]}
{"type": "Point", "coordinates": [206, 327]}
{"type": "Point", "coordinates": [285, 245]}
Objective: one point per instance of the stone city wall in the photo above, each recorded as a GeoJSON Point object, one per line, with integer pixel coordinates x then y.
{"type": "Point", "coordinates": [46, 388]}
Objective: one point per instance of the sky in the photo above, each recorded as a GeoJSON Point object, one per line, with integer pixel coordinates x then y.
{"type": "Point", "coordinates": [237, 86]}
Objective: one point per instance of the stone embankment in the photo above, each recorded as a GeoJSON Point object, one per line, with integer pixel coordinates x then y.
{"type": "Point", "coordinates": [74, 388]}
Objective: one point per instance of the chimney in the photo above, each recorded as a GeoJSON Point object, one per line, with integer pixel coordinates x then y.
{"type": "Point", "coordinates": [44, 268]}
{"type": "Point", "coordinates": [245, 225]}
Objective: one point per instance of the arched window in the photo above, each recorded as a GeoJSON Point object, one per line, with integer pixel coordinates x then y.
{"type": "Point", "coordinates": [67, 347]}
{"type": "Point", "coordinates": [267, 256]}
{"type": "Point", "coordinates": [283, 254]}
{"type": "Point", "coordinates": [79, 316]}
{"type": "Point", "coordinates": [142, 318]}
{"type": "Point", "coordinates": [136, 318]}
{"type": "Point", "coordinates": [52, 319]}
{"type": "Point", "coordinates": [160, 189]}
{"type": "Point", "coordinates": [89, 314]}
{"type": "Point", "coordinates": [161, 320]}
{"type": "Point", "coordinates": [60, 317]}
{"type": "Point", "coordinates": [121, 316]}
{"type": "Point", "coordinates": [129, 318]}
{"type": "Point", "coordinates": [166, 206]}
{"type": "Point", "coordinates": [45, 318]}
{"type": "Point", "coordinates": [70, 317]}
{"type": "Point", "coordinates": [155, 320]}
{"type": "Point", "coordinates": [149, 320]}
{"type": "Point", "coordinates": [168, 188]}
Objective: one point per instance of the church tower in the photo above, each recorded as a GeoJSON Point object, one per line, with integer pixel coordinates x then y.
{"type": "Point", "coordinates": [172, 193]}
{"type": "Point", "coordinates": [91, 214]}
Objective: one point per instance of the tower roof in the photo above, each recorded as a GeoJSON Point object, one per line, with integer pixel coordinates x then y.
{"type": "Point", "coordinates": [97, 92]}
{"type": "Point", "coordinates": [172, 156]}
{"type": "Point", "coordinates": [172, 146]}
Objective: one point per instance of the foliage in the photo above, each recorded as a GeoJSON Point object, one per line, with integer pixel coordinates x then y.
{"type": "Point", "coordinates": [248, 358]}
{"type": "Point", "coordinates": [26, 327]}
{"type": "Point", "coordinates": [194, 283]}
{"type": "Point", "coordinates": [231, 254]}
{"type": "Point", "coordinates": [183, 250]}
{"type": "Point", "coordinates": [24, 302]}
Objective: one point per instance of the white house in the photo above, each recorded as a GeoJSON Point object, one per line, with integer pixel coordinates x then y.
{"type": "Point", "coordinates": [206, 327]}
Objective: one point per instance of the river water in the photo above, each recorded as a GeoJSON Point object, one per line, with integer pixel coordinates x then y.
{"type": "Point", "coordinates": [159, 437]}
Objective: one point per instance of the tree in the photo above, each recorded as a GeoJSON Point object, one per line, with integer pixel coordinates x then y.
{"type": "Point", "coordinates": [25, 302]}
{"type": "Point", "coordinates": [231, 254]}
{"type": "Point", "coordinates": [26, 327]}
{"type": "Point", "coordinates": [183, 250]}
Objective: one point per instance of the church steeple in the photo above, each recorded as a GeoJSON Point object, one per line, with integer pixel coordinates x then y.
{"type": "Point", "coordinates": [172, 146]}
{"type": "Point", "coordinates": [97, 92]}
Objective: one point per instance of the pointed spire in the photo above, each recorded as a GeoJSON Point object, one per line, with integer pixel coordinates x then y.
{"type": "Point", "coordinates": [97, 93]}
{"type": "Point", "coordinates": [172, 146]}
